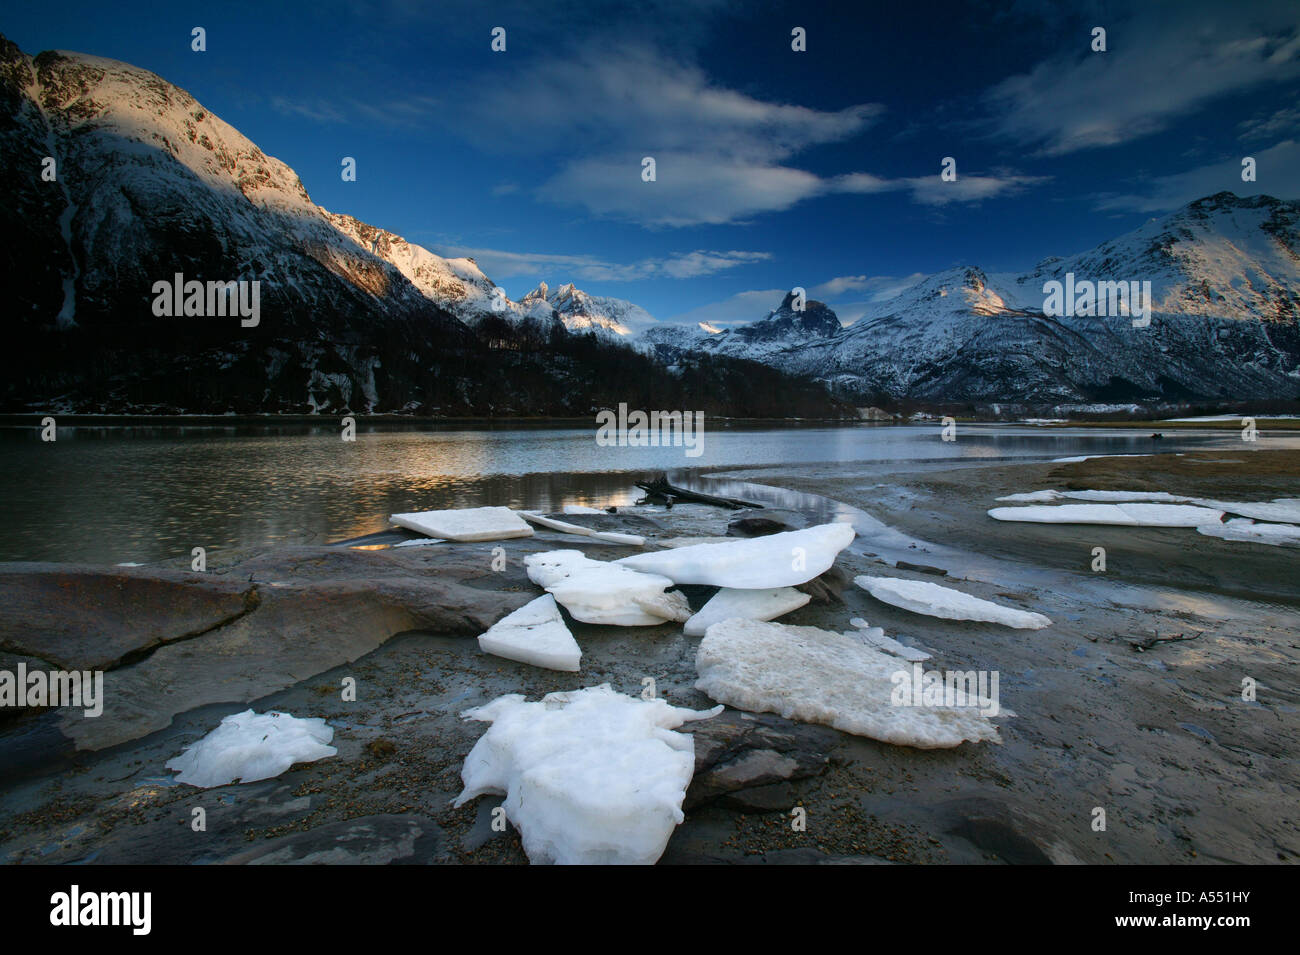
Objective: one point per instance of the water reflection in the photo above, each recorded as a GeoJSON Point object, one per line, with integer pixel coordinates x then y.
{"type": "Point", "coordinates": [106, 495]}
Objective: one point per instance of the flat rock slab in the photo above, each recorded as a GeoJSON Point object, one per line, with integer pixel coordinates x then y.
{"type": "Point", "coordinates": [171, 641]}
{"type": "Point", "coordinates": [82, 617]}
{"type": "Point", "coordinates": [386, 839]}
{"type": "Point", "coordinates": [737, 751]}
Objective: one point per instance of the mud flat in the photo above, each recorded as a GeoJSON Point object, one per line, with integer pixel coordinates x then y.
{"type": "Point", "coordinates": [1159, 738]}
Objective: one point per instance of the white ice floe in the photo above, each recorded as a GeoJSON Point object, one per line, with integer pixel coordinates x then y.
{"type": "Point", "coordinates": [746, 604]}
{"type": "Point", "coordinates": [1127, 515]}
{"type": "Point", "coordinates": [420, 542]}
{"type": "Point", "coordinates": [595, 591]}
{"type": "Point", "coordinates": [813, 675]}
{"type": "Point", "coordinates": [466, 524]}
{"type": "Point", "coordinates": [590, 776]}
{"type": "Point", "coordinates": [1089, 457]}
{"type": "Point", "coordinates": [250, 746]}
{"type": "Point", "coordinates": [920, 596]}
{"type": "Point", "coordinates": [756, 563]}
{"type": "Point", "coordinates": [567, 528]}
{"type": "Point", "coordinates": [581, 509]}
{"type": "Point", "coordinates": [535, 634]}
{"type": "Point", "coordinates": [1284, 510]}
{"type": "Point", "coordinates": [1240, 529]}
{"type": "Point", "coordinates": [875, 638]}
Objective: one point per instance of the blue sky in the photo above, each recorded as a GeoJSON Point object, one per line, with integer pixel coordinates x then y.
{"type": "Point", "coordinates": [775, 168]}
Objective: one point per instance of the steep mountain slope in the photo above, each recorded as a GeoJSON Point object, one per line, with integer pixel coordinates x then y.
{"type": "Point", "coordinates": [1225, 288]}
{"type": "Point", "coordinates": [150, 185]}
{"type": "Point", "coordinates": [608, 317]}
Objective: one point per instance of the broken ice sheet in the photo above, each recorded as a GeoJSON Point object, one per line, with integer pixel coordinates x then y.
{"type": "Point", "coordinates": [534, 634]}
{"type": "Point", "coordinates": [590, 776]}
{"type": "Point", "coordinates": [250, 746]}
{"type": "Point", "coordinates": [749, 604]}
{"type": "Point", "coordinates": [816, 676]}
{"type": "Point", "coordinates": [595, 591]}
{"type": "Point", "coordinates": [1240, 529]}
{"type": "Point", "coordinates": [466, 523]}
{"type": "Point", "coordinates": [757, 563]}
{"type": "Point", "coordinates": [1130, 515]}
{"type": "Point", "coordinates": [921, 596]}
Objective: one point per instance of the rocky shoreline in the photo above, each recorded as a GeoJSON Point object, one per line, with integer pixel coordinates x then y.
{"type": "Point", "coordinates": [1185, 773]}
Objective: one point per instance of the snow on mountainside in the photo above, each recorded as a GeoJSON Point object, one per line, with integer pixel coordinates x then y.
{"type": "Point", "coordinates": [581, 312]}
{"type": "Point", "coordinates": [150, 184]}
{"type": "Point", "coordinates": [1225, 286]}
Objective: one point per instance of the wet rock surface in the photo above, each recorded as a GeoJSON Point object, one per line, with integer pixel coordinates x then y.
{"type": "Point", "coordinates": [1096, 723]}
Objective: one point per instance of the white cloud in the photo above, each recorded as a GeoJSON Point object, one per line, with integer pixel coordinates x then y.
{"type": "Point", "coordinates": [933, 191]}
{"type": "Point", "coordinates": [1165, 62]}
{"type": "Point", "coordinates": [740, 309]}
{"type": "Point", "coordinates": [678, 265]}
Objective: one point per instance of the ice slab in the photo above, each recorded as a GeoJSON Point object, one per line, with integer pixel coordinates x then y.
{"type": "Point", "coordinates": [466, 524]}
{"type": "Point", "coordinates": [875, 638]}
{"type": "Point", "coordinates": [250, 746]}
{"type": "Point", "coordinates": [595, 591]}
{"type": "Point", "coordinates": [746, 604]}
{"type": "Point", "coordinates": [756, 563]}
{"type": "Point", "coordinates": [1127, 515]}
{"type": "Point", "coordinates": [590, 776]}
{"type": "Point", "coordinates": [1283, 510]}
{"type": "Point", "coordinates": [920, 596]}
{"type": "Point", "coordinates": [1240, 529]}
{"type": "Point", "coordinates": [535, 634]}
{"type": "Point", "coordinates": [815, 676]}
{"type": "Point", "coordinates": [581, 509]}
{"type": "Point", "coordinates": [567, 528]}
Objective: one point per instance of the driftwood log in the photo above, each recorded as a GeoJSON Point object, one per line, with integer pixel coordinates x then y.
{"type": "Point", "coordinates": [659, 491]}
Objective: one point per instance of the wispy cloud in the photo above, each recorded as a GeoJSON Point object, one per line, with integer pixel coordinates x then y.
{"type": "Point", "coordinates": [678, 265]}
{"type": "Point", "coordinates": [1166, 61]}
{"type": "Point", "coordinates": [1277, 173]}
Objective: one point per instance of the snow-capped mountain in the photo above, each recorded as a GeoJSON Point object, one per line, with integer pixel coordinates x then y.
{"type": "Point", "coordinates": [144, 183]}
{"type": "Point", "coordinates": [1225, 289]}
{"type": "Point", "coordinates": [580, 312]}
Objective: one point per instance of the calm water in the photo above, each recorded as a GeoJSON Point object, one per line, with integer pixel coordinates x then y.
{"type": "Point", "coordinates": [108, 495]}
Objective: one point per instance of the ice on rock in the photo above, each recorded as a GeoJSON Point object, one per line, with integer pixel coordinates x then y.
{"type": "Point", "coordinates": [250, 746]}
{"type": "Point", "coordinates": [815, 676]}
{"type": "Point", "coordinates": [1282, 510]}
{"type": "Point", "coordinates": [1240, 529]}
{"type": "Point", "coordinates": [875, 638]}
{"type": "Point", "coordinates": [567, 528]}
{"type": "Point", "coordinates": [595, 591]}
{"type": "Point", "coordinates": [1128, 515]}
{"type": "Point", "coordinates": [757, 563]}
{"type": "Point", "coordinates": [746, 604]}
{"type": "Point", "coordinates": [466, 524]}
{"type": "Point", "coordinates": [920, 596]}
{"type": "Point", "coordinates": [590, 776]}
{"type": "Point", "coordinates": [581, 509]}
{"type": "Point", "coordinates": [534, 634]}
